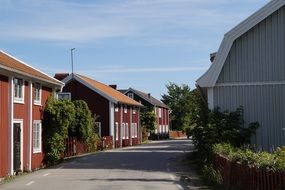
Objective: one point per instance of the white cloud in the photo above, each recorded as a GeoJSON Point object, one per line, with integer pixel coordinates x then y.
{"type": "Point", "coordinates": [133, 20]}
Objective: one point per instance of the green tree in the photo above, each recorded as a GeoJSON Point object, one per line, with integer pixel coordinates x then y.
{"type": "Point", "coordinates": [58, 117]}
{"type": "Point", "coordinates": [148, 119]}
{"type": "Point", "coordinates": [178, 98]}
{"type": "Point", "coordinates": [83, 125]}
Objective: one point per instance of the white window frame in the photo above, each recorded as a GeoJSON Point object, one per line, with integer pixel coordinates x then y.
{"type": "Point", "coordinates": [127, 131]}
{"type": "Point", "coordinates": [37, 149]}
{"type": "Point", "coordinates": [131, 95]}
{"type": "Point", "coordinates": [132, 130]}
{"type": "Point", "coordinates": [64, 93]}
{"type": "Point", "coordinates": [117, 130]}
{"type": "Point", "coordinates": [135, 130]}
{"type": "Point", "coordinates": [19, 99]}
{"type": "Point", "coordinates": [159, 113]}
{"type": "Point", "coordinates": [39, 101]}
{"type": "Point", "coordinates": [20, 121]}
{"type": "Point", "coordinates": [99, 128]}
{"type": "Point", "coordinates": [123, 130]}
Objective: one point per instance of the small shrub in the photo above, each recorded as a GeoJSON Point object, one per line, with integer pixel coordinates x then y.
{"type": "Point", "coordinates": [262, 160]}
{"type": "Point", "coordinates": [212, 176]}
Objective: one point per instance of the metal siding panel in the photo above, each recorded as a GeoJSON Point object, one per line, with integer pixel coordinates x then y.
{"type": "Point", "coordinates": [264, 104]}
{"type": "Point", "coordinates": [258, 55]}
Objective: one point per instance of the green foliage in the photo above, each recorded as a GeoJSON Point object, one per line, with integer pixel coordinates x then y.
{"type": "Point", "coordinates": [271, 161]}
{"type": "Point", "coordinates": [222, 127]}
{"type": "Point", "coordinates": [63, 119]}
{"type": "Point", "coordinates": [178, 98]}
{"type": "Point", "coordinates": [58, 116]}
{"type": "Point", "coordinates": [92, 142]}
{"type": "Point", "coordinates": [148, 119]}
{"type": "Point", "coordinates": [212, 176]}
{"type": "Point", "coordinates": [82, 127]}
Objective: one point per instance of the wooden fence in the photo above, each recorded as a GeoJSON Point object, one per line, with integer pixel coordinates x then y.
{"type": "Point", "coordinates": [176, 134]}
{"type": "Point", "coordinates": [240, 176]}
{"type": "Point", "coordinates": [73, 146]}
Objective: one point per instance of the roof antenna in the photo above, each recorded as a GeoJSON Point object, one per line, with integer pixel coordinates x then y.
{"type": "Point", "coordinates": [71, 54]}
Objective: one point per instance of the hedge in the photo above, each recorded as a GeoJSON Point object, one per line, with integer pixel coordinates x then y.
{"type": "Point", "coordinates": [263, 160]}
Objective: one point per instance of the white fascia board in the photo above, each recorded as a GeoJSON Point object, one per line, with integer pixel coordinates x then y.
{"type": "Point", "coordinates": [210, 77]}
{"type": "Point", "coordinates": [55, 81]}
{"type": "Point", "coordinates": [77, 78]}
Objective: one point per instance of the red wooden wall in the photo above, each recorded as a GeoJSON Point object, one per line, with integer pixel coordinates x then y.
{"type": "Point", "coordinates": [4, 132]}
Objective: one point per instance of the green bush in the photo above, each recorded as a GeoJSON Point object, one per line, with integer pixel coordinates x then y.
{"type": "Point", "coordinates": [58, 116]}
{"type": "Point", "coordinates": [222, 127]}
{"type": "Point", "coordinates": [273, 161]}
{"type": "Point", "coordinates": [212, 176]}
{"type": "Point", "coordinates": [83, 126]}
{"type": "Point", "coordinates": [63, 119]}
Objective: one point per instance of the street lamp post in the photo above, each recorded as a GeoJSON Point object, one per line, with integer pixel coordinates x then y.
{"type": "Point", "coordinates": [71, 54]}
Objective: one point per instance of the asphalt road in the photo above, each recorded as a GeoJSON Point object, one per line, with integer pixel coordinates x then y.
{"type": "Point", "coordinates": [150, 166]}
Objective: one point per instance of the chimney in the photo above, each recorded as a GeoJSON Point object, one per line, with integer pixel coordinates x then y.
{"type": "Point", "coordinates": [61, 76]}
{"type": "Point", "coordinates": [113, 86]}
{"type": "Point", "coordinates": [212, 56]}
{"type": "Point", "coordinates": [148, 95]}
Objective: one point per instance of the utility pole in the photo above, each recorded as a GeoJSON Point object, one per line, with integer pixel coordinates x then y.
{"type": "Point", "coordinates": [71, 54]}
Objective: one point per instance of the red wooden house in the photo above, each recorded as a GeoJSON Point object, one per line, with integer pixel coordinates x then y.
{"type": "Point", "coordinates": [23, 93]}
{"type": "Point", "coordinates": [118, 115]}
{"type": "Point", "coordinates": [160, 109]}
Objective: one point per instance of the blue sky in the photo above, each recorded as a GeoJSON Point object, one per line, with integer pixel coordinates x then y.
{"type": "Point", "coordinates": [142, 44]}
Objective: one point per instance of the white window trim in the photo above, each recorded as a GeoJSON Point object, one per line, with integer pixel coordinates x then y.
{"type": "Point", "coordinates": [159, 112]}
{"type": "Point", "coordinates": [132, 127]}
{"type": "Point", "coordinates": [38, 102]}
{"type": "Point", "coordinates": [131, 95]}
{"type": "Point", "coordinates": [134, 130]}
{"type": "Point", "coordinates": [123, 130]}
{"type": "Point", "coordinates": [64, 93]}
{"type": "Point", "coordinates": [125, 110]}
{"type": "Point", "coordinates": [127, 131]}
{"type": "Point", "coordinates": [22, 140]}
{"type": "Point", "coordinates": [19, 100]}
{"type": "Point", "coordinates": [38, 150]}
{"type": "Point", "coordinates": [117, 130]}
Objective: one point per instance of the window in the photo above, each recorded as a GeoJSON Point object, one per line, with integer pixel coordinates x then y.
{"type": "Point", "coordinates": [37, 93]}
{"type": "Point", "coordinates": [127, 131]}
{"type": "Point", "coordinates": [134, 130]}
{"type": "Point", "coordinates": [125, 110]}
{"type": "Point", "coordinates": [98, 128]}
{"type": "Point", "coordinates": [18, 90]}
{"type": "Point", "coordinates": [117, 130]}
{"type": "Point", "coordinates": [159, 112]}
{"type": "Point", "coordinates": [64, 96]}
{"type": "Point", "coordinates": [123, 131]}
{"type": "Point", "coordinates": [37, 137]}
{"type": "Point", "coordinates": [131, 95]}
